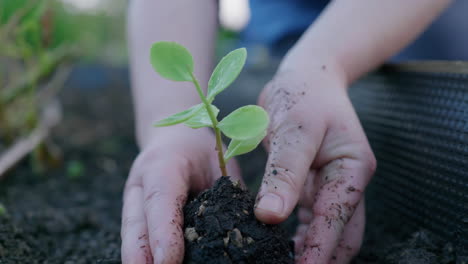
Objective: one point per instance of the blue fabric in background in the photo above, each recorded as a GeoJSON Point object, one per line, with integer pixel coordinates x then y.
{"type": "Point", "coordinates": [273, 20]}
{"type": "Point", "coordinates": [277, 24]}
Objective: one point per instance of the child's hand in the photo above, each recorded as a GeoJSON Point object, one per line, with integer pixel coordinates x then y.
{"type": "Point", "coordinates": [320, 158]}
{"type": "Point", "coordinates": [179, 160]}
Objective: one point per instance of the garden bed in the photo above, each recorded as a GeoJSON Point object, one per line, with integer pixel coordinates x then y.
{"type": "Point", "coordinates": [72, 214]}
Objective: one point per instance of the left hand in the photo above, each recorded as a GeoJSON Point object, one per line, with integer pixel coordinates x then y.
{"type": "Point", "coordinates": [173, 162]}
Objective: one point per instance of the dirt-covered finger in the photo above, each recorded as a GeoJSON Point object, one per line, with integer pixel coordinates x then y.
{"type": "Point", "coordinates": [342, 184]}
{"type": "Point", "coordinates": [165, 186]}
{"type": "Point", "coordinates": [134, 231]}
{"type": "Point", "coordinates": [353, 234]}
{"type": "Point", "coordinates": [293, 147]}
{"type": "Point", "coordinates": [307, 198]}
{"type": "Point", "coordinates": [299, 238]}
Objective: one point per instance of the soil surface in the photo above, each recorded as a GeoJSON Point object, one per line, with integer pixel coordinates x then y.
{"type": "Point", "coordinates": [220, 227]}
{"type": "Point", "coordinates": [421, 248]}
{"type": "Point", "coordinates": [72, 214]}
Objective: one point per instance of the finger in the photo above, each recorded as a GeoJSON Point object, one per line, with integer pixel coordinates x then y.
{"type": "Point", "coordinates": [307, 198]}
{"type": "Point", "coordinates": [341, 189]}
{"type": "Point", "coordinates": [293, 145]}
{"type": "Point", "coordinates": [352, 237]}
{"type": "Point", "coordinates": [212, 172]}
{"type": "Point", "coordinates": [233, 169]}
{"type": "Point", "coordinates": [304, 213]}
{"type": "Point", "coordinates": [165, 185]}
{"type": "Point", "coordinates": [134, 233]}
{"type": "Point", "coordinates": [299, 238]}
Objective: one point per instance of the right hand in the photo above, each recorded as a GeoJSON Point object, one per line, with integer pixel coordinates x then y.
{"type": "Point", "coordinates": [179, 160]}
{"type": "Point", "coordinates": [319, 158]}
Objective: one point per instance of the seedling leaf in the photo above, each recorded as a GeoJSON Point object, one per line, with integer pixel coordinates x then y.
{"type": "Point", "coordinates": [244, 123]}
{"type": "Point", "coordinates": [245, 126]}
{"type": "Point", "coordinates": [239, 147]}
{"type": "Point", "coordinates": [226, 72]}
{"type": "Point", "coordinates": [181, 116]}
{"type": "Point", "coordinates": [172, 61]}
{"type": "Point", "coordinates": [202, 119]}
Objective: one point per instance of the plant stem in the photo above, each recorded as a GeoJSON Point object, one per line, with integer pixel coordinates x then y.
{"type": "Point", "coordinates": [214, 121]}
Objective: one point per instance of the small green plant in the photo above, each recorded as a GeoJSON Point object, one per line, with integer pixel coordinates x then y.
{"type": "Point", "coordinates": [246, 126]}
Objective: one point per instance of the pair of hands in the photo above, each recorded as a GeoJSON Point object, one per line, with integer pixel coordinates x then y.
{"type": "Point", "coordinates": [319, 158]}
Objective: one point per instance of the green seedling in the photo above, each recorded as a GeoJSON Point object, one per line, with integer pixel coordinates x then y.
{"type": "Point", "coordinates": [246, 126]}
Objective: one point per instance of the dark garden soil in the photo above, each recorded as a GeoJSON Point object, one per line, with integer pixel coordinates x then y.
{"type": "Point", "coordinates": [71, 214]}
{"type": "Point", "coordinates": [386, 241]}
{"type": "Point", "coordinates": [220, 227]}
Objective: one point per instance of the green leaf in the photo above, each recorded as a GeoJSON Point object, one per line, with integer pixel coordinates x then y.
{"type": "Point", "coordinates": [239, 147]}
{"type": "Point", "coordinates": [172, 61]}
{"type": "Point", "coordinates": [180, 117]}
{"type": "Point", "coordinates": [226, 72]}
{"type": "Point", "coordinates": [245, 122]}
{"type": "Point", "coordinates": [202, 119]}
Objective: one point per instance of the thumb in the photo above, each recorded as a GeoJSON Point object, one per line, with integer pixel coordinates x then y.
{"type": "Point", "coordinates": [292, 146]}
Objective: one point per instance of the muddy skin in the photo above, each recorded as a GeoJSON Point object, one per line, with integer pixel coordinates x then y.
{"type": "Point", "coordinates": [220, 227]}
{"type": "Point", "coordinates": [143, 240]}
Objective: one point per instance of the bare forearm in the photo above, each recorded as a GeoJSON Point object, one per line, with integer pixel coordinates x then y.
{"type": "Point", "coordinates": [190, 23]}
{"type": "Point", "coordinates": [353, 37]}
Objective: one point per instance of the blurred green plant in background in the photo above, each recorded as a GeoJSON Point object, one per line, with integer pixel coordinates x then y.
{"type": "Point", "coordinates": [100, 30]}
{"type": "Point", "coordinates": [39, 40]}
{"type": "Point", "coordinates": [33, 44]}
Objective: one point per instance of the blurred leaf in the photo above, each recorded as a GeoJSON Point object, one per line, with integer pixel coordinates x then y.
{"type": "Point", "coordinates": [202, 119]}
{"type": "Point", "coordinates": [75, 169]}
{"type": "Point", "coordinates": [172, 61]}
{"type": "Point", "coordinates": [180, 117]}
{"type": "Point", "coordinates": [226, 72]}
{"type": "Point", "coordinates": [245, 122]}
{"type": "Point", "coordinates": [9, 8]}
{"type": "Point", "coordinates": [3, 211]}
{"type": "Point", "coordinates": [239, 147]}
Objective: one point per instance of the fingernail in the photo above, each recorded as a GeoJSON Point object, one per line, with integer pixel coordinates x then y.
{"type": "Point", "coordinates": [272, 203]}
{"type": "Point", "coordinates": [159, 258]}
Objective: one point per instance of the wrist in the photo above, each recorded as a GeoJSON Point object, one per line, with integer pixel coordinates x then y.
{"type": "Point", "coordinates": [315, 69]}
{"type": "Point", "coordinates": [312, 63]}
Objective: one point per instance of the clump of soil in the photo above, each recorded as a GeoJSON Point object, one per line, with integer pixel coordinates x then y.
{"type": "Point", "coordinates": [220, 227]}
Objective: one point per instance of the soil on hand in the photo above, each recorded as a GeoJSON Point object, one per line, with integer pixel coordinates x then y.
{"type": "Point", "coordinates": [220, 227]}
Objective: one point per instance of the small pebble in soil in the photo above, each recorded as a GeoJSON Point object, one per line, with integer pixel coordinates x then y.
{"type": "Point", "coordinates": [220, 227]}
